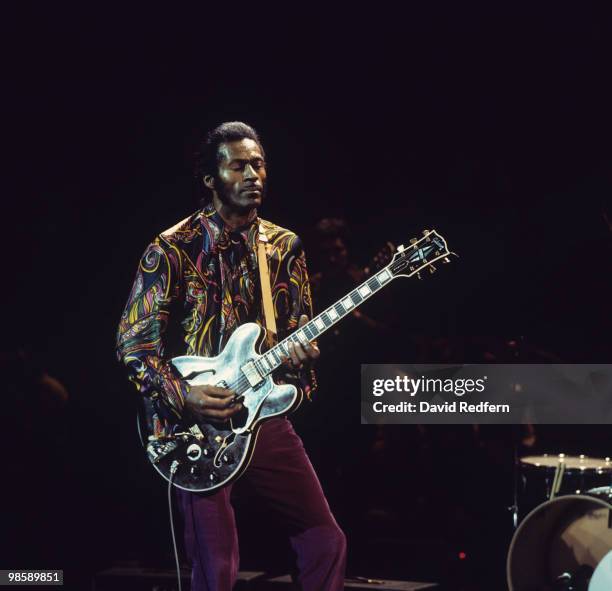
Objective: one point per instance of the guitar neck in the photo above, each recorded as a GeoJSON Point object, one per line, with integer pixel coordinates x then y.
{"type": "Point", "coordinates": [272, 359]}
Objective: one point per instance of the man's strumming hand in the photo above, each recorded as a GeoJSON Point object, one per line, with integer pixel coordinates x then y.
{"type": "Point", "coordinates": [212, 402]}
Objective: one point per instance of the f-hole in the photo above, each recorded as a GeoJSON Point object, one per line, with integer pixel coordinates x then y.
{"type": "Point", "coordinates": [194, 374]}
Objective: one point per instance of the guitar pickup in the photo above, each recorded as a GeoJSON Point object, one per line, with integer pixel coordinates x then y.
{"type": "Point", "coordinates": [252, 375]}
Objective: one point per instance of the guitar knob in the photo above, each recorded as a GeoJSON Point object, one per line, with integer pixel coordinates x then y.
{"type": "Point", "coordinates": [413, 241]}
{"type": "Point", "coordinates": [194, 452]}
{"type": "Point", "coordinates": [426, 232]}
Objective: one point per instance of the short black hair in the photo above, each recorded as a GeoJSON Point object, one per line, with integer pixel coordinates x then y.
{"type": "Point", "coordinates": [206, 157]}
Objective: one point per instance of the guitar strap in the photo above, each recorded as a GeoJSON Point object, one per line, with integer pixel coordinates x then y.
{"type": "Point", "coordinates": [266, 290]}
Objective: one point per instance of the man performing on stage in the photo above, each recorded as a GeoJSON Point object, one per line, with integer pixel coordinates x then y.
{"type": "Point", "coordinates": [201, 279]}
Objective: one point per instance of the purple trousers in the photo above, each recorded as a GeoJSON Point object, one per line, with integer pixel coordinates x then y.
{"type": "Point", "coordinates": [281, 474]}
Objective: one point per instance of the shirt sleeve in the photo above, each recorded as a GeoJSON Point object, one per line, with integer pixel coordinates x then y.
{"type": "Point", "coordinates": [140, 344]}
{"type": "Point", "coordinates": [300, 302]}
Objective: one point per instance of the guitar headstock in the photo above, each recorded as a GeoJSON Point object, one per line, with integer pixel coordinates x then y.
{"type": "Point", "coordinates": [420, 254]}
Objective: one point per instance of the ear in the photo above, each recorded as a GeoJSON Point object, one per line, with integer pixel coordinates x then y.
{"type": "Point", "coordinates": [209, 181]}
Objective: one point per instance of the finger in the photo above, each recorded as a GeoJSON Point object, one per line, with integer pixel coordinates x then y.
{"type": "Point", "coordinates": [207, 402]}
{"type": "Point", "coordinates": [233, 410]}
{"type": "Point", "coordinates": [237, 400]}
{"type": "Point", "coordinates": [300, 354]}
{"type": "Point", "coordinates": [312, 351]}
{"type": "Point", "coordinates": [310, 346]}
{"type": "Point", "coordinates": [219, 405]}
{"type": "Point", "coordinates": [303, 320]}
{"type": "Point", "coordinates": [219, 392]}
{"type": "Point", "coordinates": [295, 360]}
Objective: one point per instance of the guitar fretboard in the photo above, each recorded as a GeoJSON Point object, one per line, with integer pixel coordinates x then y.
{"type": "Point", "coordinates": [272, 359]}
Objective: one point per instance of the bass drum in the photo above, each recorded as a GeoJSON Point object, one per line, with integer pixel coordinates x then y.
{"type": "Point", "coordinates": [565, 535]}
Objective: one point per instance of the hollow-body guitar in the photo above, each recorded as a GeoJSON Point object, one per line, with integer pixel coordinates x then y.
{"type": "Point", "coordinates": [204, 456]}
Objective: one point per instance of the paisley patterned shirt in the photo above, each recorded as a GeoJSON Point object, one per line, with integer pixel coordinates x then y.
{"type": "Point", "coordinates": [202, 278]}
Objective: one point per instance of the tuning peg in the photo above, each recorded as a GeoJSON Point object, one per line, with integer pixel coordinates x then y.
{"type": "Point", "coordinates": [413, 240]}
{"type": "Point", "coordinates": [401, 248]}
{"type": "Point", "coordinates": [446, 260]}
{"type": "Point", "coordinates": [419, 276]}
{"type": "Point", "coordinates": [432, 269]}
{"type": "Point", "coordinates": [426, 232]}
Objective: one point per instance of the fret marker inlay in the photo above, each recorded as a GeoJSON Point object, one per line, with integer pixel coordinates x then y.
{"type": "Point", "coordinates": [383, 276]}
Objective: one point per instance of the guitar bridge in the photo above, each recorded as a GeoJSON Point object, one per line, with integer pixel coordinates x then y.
{"type": "Point", "coordinates": [196, 432]}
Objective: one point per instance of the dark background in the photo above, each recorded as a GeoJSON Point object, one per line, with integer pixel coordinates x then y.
{"type": "Point", "coordinates": [489, 123]}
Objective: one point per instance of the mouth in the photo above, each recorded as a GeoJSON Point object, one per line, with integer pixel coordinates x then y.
{"type": "Point", "coordinates": [252, 190]}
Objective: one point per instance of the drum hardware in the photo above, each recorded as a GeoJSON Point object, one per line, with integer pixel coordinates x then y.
{"type": "Point", "coordinates": [559, 470]}
{"type": "Point", "coordinates": [516, 475]}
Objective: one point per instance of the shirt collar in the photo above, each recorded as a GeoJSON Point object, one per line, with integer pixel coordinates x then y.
{"type": "Point", "coordinates": [214, 228]}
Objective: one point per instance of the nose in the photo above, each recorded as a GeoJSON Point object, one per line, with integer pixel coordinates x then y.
{"type": "Point", "coordinates": [249, 172]}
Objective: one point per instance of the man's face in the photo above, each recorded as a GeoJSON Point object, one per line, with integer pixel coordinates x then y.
{"type": "Point", "coordinates": [241, 177]}
{"type": "Point", "coordinates": [335, 253]}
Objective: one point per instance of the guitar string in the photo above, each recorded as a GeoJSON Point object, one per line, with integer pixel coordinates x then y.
{"type": "Point", "coordinates": [243, 384]}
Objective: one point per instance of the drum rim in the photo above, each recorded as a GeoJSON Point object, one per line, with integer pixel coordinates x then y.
{"type": "Point", "coordinates": [581, 497]}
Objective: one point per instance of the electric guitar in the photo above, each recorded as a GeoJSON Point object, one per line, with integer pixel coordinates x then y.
{"type": "Point", "coordinates": [205, 455]}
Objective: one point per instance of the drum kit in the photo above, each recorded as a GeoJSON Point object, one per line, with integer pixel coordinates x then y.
{"type": "Point", "coordinates": [565, 542]}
